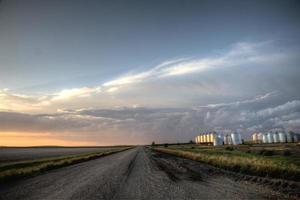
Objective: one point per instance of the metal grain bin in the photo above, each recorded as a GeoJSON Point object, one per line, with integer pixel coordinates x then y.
{"type": "Point", "coordinates": [225, 139]}
{"type": "Point", "coordinates": [289, 137]}
{"type": "Point", "coordinates": [239, 138]}
{"type": "Point", "coordinates": [265, 138]}
{"type": "Point", "coordinates": [254, 137]}
{"type": "Point", "coordinates": [236, 138]}
{"type": "Point", "coordinates": [229, 139]}
{"type": "Point", "coordinates": [259, 137]}
{"type": "Point", "coordinates": [218, 140]}
{"type": "Point", "coordinates": [221, 138]}
{"type": "Point", "coordinates": [212, 136]}
{"type": "Point", "coordinates": [270, 137]}
{"type": "Point", "coordinates": [275, 137]}
{"type": "Point", "coordinates": [282, 137]}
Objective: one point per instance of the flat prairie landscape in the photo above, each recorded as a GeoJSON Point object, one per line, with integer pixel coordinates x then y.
{"type": "Point", "coordinates": [8, 154]}
{"type": "Point", "coordinates": [145, 173]}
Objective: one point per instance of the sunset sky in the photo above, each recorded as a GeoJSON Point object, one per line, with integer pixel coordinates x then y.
{"type": "Point", "coordinates": [132, 72]}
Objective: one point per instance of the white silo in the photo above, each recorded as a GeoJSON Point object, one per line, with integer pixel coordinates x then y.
{"type": "Point", "coordinates": [221, 138]}
{"type": "Point", "coordinates": [259, 137]}
{"type": "Point", "coordinates": [236, 138]}
{"type": "Point", "coordinates": [265, 138]}
{"type": "Point", "coordinates": [229, 139]}
{"type": "Point", "coordinates": [213, 135]}
{"type": "Point", "coordinates": [254, 137]}
{"type": "Point", "coordinates": [218, 140]}
{"type": "Point", "coordinates": [289, 137]}
{"type": "Point", "coordinates": [270, 137]}
{"type": "Point", "coordinates": [275, 137]}
{"type": "Point", "coordinates": [225, 139]}
{"type": "Point", "coordinates": [282, 137]}
{"type": "Point", "coordinates": [239, 138]}
{"type": "Point", "coordinates": [233, 138]}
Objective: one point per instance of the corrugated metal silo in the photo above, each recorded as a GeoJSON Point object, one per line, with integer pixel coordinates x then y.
{"type": "Point", "coordinates": [259, 137]}
{"type": "Point", "coordinates": [275, 137]}
{"type": "Point", "coordinates": [270, 137]}
{"type": "Point", "coordinates": [236, 138]}
{"type": "Point", "coordinates": [229, 139]}
{"type": "Point", "coordinates": [254, 137]}
{"type": "Point", "coordinates": [289, 137]}
{"type": "Point", "coordinates": [218, 140]}
{"type": "Point", "coordinates": [225, 139]}
{"type": "Point", "coordinates": [282, 137]}
{"type": "Point", "coordinates": [213, 135]}
{"type": "Point", "coordinates": [265, 138]}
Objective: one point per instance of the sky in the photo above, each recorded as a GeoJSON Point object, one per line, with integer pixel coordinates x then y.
{"type": "Point", "coordinates": [132, 72]}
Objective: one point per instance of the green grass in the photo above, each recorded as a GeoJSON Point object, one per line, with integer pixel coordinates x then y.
{"type": "Point", "coordinates": [14, 170]}
{"type": "Point", "coordinates": [273, 166]}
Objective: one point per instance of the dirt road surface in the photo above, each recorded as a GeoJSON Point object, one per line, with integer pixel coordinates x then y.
{"type": "Point", "coordinates": [137, 173]}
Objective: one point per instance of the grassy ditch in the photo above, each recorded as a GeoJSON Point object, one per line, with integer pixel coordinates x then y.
{"type": "Point", "coordinates": [15, 170]}
{"type": "Point", "coordinates": [275, 166]}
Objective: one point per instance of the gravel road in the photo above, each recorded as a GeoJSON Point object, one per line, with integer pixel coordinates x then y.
{"type": "Point", "coordinates": [137, 173]}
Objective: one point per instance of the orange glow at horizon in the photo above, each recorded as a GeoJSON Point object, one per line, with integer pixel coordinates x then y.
{"type": "Point", "coordinates": [20, 139]}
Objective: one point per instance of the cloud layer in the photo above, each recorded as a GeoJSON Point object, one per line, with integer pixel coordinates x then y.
{"type": "Point", "coordinates": [247, 87]}
{"type": "Point", "coordinates": [142, 125]}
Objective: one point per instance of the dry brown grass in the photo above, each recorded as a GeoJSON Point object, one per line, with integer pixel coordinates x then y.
{"type": "Point", "coordinates": [254, 165]}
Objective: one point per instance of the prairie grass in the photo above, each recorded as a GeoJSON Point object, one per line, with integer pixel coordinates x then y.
{"type": "Point", "coordinates": [248, 163]}
{"type": "Point", "coordinates": [14, 170]}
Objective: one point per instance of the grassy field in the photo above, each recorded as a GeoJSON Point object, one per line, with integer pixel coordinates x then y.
{"type": "Point", "coordinates": [273, 160]}
{"type": "Point", "coordinates": [14, 154]}
{"type": "Point", "coordinates": [14, 170]}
